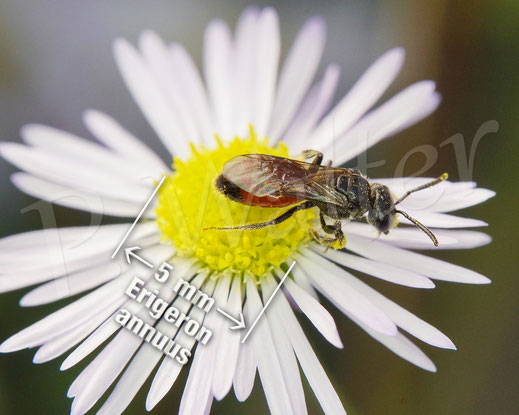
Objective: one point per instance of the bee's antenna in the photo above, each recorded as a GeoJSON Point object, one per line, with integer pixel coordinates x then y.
{"type": "Point", "coordinates": [424, 228]}
{"type": "Point", "coordinates": [440, 179]}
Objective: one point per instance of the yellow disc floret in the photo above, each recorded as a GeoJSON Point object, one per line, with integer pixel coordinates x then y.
{"type": "Point", "coordinates": [188, 202]}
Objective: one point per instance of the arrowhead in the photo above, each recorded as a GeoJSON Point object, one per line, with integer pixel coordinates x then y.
{"type": "Point", "coordinates": [239, 324]}
{"type": "Point", "coordinates": [129, 252]}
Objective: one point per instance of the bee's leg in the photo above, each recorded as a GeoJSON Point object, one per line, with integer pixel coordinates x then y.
{"type": "Point", "coordinates": [340, 238]}
{"type": "Point", "coordinates": [330, 229]}
{"type": "Point", "coordinates": [337, 242]}
{"type": "Point", "coordinates": [281, 218]}
{"type": "Point", "coordinates": [308, 154]}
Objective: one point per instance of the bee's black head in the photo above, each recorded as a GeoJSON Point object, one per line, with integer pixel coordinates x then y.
{"type": "Point", "coordinates": [382, 214]}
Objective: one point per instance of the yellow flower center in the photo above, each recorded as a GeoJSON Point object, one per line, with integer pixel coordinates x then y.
{"type": "Point", "coordinates": [188, 202]}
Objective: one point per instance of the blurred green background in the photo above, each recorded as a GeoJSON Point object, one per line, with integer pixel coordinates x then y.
{"type": "Point", "coordinates": [55, 61]}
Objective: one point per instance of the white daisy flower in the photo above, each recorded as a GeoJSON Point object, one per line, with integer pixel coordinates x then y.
{"type": "Point", "coordinates": [241, 100]}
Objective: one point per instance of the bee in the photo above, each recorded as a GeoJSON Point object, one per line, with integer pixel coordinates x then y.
{"type": "Point", "coordinates": [339, 193]}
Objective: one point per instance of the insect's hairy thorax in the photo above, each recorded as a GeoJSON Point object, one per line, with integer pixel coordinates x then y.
{"type": "Point", "coordinates": [357, 192]}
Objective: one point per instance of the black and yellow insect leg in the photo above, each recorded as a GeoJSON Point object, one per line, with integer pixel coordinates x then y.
{"type": "Point", "coordinates": [308, 154]}
{"type": "Point", "coordinates": [337, 242]}
{"type": "Point", "coordinates": [281, 218]}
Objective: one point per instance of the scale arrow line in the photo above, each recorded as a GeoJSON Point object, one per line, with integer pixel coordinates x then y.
{"type": "Point", "coordinates": [268, 302]}
{"type": "Point", "coordinates": [240, 324]}
{"type": "Point", "coordinates": [129, 252]}
{"type": "Point", "coordinates": [138, 216]}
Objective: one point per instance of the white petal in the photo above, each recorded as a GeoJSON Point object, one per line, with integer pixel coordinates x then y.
{"type": "Point", "coordinates": [34, 239]}
{"type": "Point", "coordinates": [72, 172]}
{"type": "Point", "coordinates": [314, 372]}
{"type": "Point", "coordinates": [403, 318]}
{"type": "Point", "coordinates": [75, 283]}
{"type": "Point", "coordinates": [402, 184]}
{"type": "Point", "coordinates": [150, 98]}
{"type": "Point", "coordinates": [414, 238]}
{"type": "Point", "coordinates": [297, 73]}
{"type": "Point", "coordinates": [157, 56]}
{"type": "Point", "coordinates": [314, 105]}
{"type": "Point", "coordinates": [287, 359]}
{"type": "Point", "coordinates": [407, 236]}
{"type": "Point", "coordinates": [243, 379]}
{"type": "Point", "coordinates": [199, 383]}
{"type": "Point", "coordinates": [90, 385]}
{"type": "Point", "coordinates": [421, 112]}
{"type": "Point", "coordinates": [373, 268]}
{"type": "Point", "coordinates": [64, 319]}
{"type": "Point", "coordinates": [401, 346]}
{"type": "Point", "coordinates": [193, 90]}
{"type": "Point", "coordinates": [93, 341]}
{"type": "Point", "coordinates": [431, 267]}
{"type": "Point", "coordinates": [61, 344]}
{"type": "Point", "coordinates": [228, 347]}
{"type": "Point", "coordinates": [461, 200]}
{"type": "Point", "coordinates": [61, 252]}
{"type": "Point", "coordinates": [166, 376]}
{"type": "Point", "coordinates": [400, 316]}
{"type": "Point", "coordinates": [60, 261]}
{"type": "Point", "coordinates": [102, 240]}
{"type": "Point", "coordinates": [146, 359]}
{"type": "Point", "coordinates": [445, 197]}
{"type": "Point", "coordinates": [398, 344]}
{"type": "Point", "coordinates": [316, 313]}
{"type": "Point", "coordinates": [266, 68]}
{"type": "Point", "coordinates": [169, 369]}
{"type": "Point", "coordinates": [367, 90]}
{"type": "Point", "coordinates": [54, 142]}
{"type": "Point", "coordinates": [208, 405]}
{"type": "Point", "coordinates": [96, 241]}
{"type": "Point", "coordinates": [442, 220]}
{"type": "Point", "coordinates": [70, 237]}
{"type": "Point", "coordinates": [135, 375]}
{"type": "Point", "coordinates": [243, 69]}
{"type": "Point", "coordinates": [106, 330]}
{"type": "Point", "coordinates": [95, 379]}
{"type": "Point", "coordinates": [302, 281]}
{"type": "Point", "coordinates": [382, 121]}
{"type": "Point", "coordinates": [115, 136]}
{"type": "Point", "coordinates": [74, 198]}
{"type": "Point", "coordinates": [464, 239]}
{"type": "Point", "coordinates": [342, 294]}
{"type": "Point", "coordinates": [265, 353]}
{"type": "Point", "coordinates": [217, 71]}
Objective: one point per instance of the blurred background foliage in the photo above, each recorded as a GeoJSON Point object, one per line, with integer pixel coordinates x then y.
{"type": "Point", "coordinates": [56, 61]}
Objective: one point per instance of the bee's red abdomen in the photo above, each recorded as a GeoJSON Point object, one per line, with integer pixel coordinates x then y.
{"type": "Point", "coordinates": [237, 194]}
{"type": "Point", "coordinates": [266, 201]}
